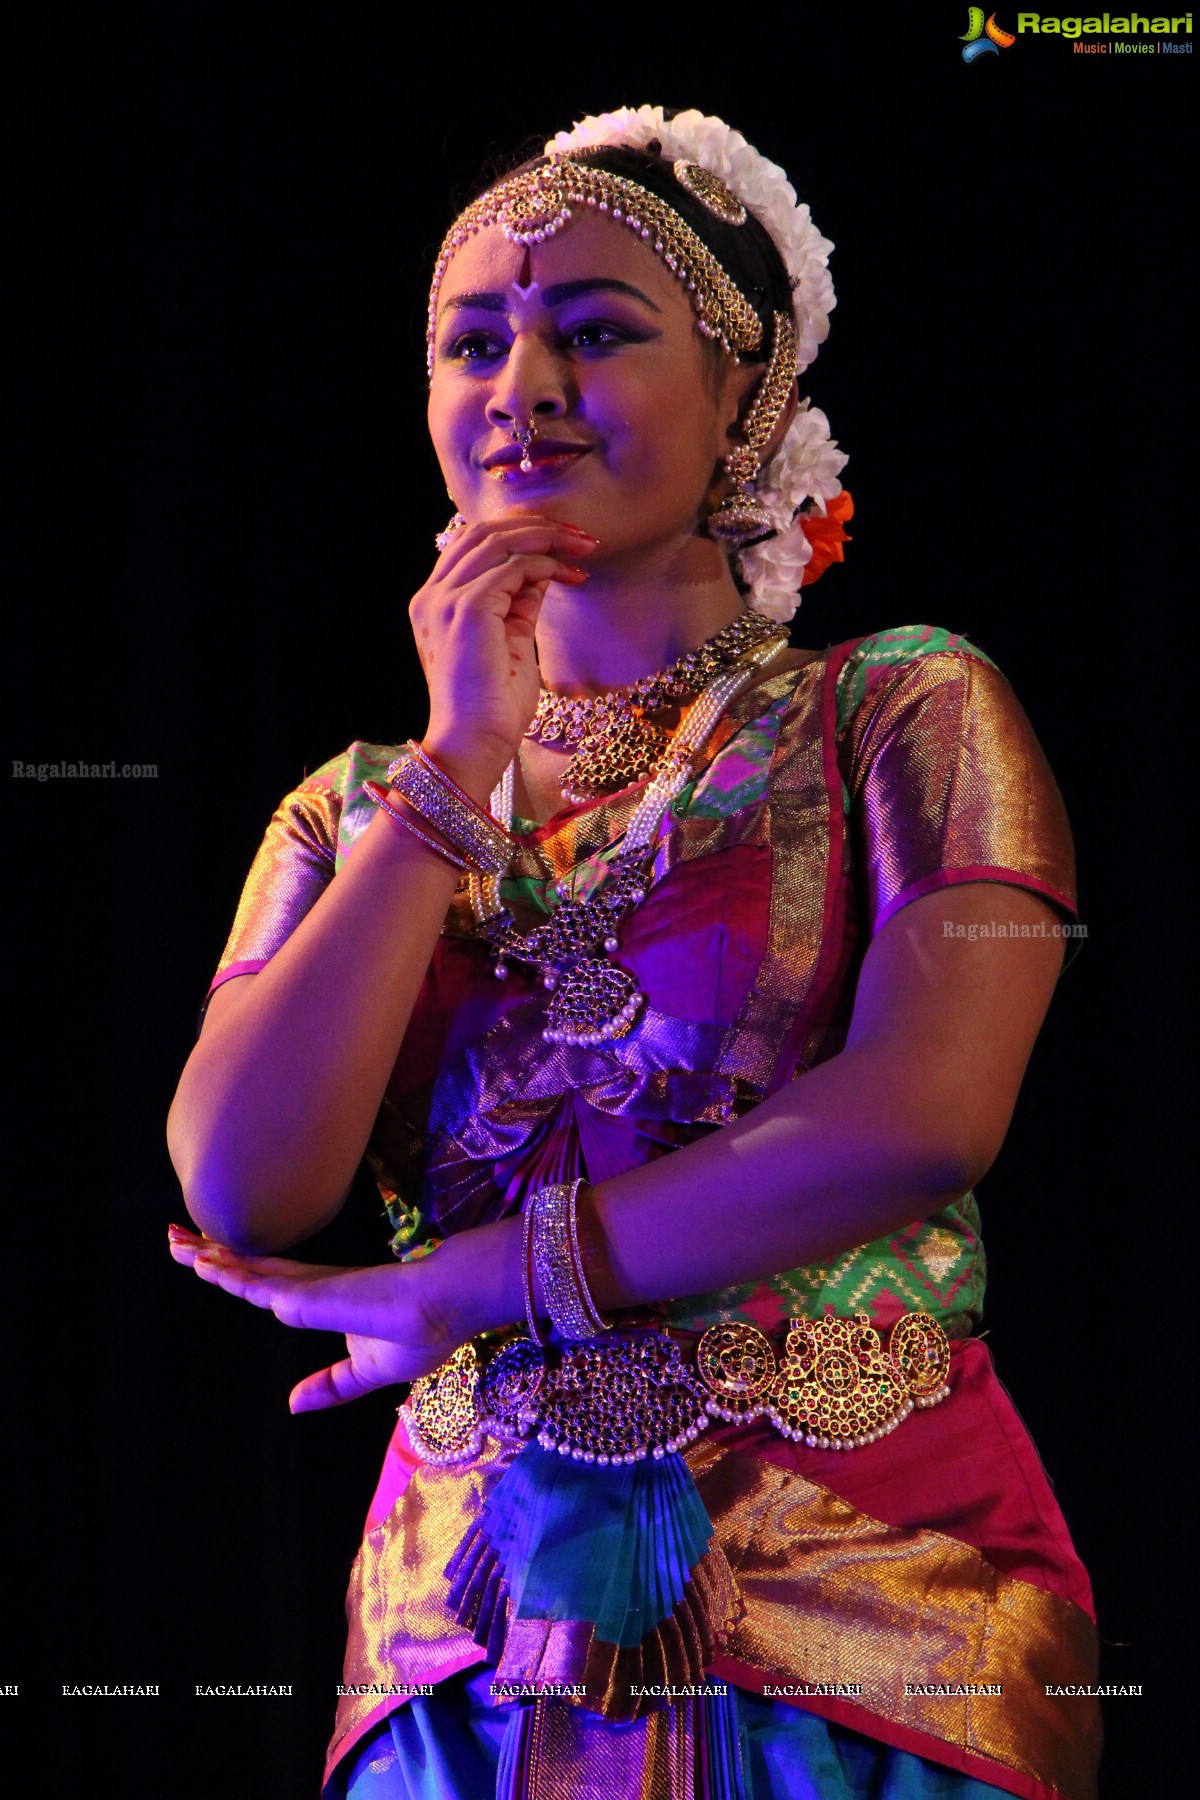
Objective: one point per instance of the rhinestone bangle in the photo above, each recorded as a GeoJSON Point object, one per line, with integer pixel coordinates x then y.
{"type": "Point", "coordinates": [380, 795]}
{"type": "Point", "coordinates": [442, 804]}
{"type": "Point", "coordinates": [596, 1319]}
{"type": "Point", "coordinates": [559, 1266]}
{"type": "Point", "coordinates": [527, 1272]}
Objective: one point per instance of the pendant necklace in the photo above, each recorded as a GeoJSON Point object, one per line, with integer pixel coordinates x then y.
{"type": "Point", "coordinates": [592, 999]}
{"type": "Point", "coordinates": [615, 737]}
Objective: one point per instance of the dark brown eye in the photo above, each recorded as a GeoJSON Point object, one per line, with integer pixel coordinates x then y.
{"type": "Point", "coordinates": [592, 336]}
{"type": "Point", "coordinates": [472, 346]}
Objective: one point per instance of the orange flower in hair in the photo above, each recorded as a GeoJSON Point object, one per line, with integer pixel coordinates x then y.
{"type": "Point", "coordinates": [826, 534]}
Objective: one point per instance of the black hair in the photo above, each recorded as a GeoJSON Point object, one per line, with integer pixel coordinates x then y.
{"type": "Point", "coordinates": [747, 253]}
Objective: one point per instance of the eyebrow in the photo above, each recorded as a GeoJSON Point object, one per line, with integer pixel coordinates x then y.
{"type": "Point", "coordinates": [553, 296]}
{"type": "Point", "coordinates": [569, 290]}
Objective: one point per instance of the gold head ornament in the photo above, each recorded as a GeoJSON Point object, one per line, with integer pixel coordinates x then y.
{"type": "Point", "coordinates": [536, 204]}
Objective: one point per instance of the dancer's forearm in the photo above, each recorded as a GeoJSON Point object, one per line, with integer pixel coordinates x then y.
{"type": "Point", "coordinates": [893, 1129]}
{"type": "Point", "coordinates": [277, 1101]}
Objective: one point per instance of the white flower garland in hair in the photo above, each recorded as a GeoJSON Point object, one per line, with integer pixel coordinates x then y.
{"type": "Point", "coordinates": [807, 465]}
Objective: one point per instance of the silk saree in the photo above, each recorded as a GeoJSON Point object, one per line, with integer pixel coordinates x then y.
{"type": "Point", "coordinates": [890, 1618]}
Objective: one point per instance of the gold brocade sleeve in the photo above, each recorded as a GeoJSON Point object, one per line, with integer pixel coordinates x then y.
{"type": "Point", "coordinates": [294, 863]}
{"type": "Point", "coordinates": [948, 783]}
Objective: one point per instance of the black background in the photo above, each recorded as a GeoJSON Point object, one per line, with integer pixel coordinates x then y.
{"type": "Point", "coordinates": [227, 496]}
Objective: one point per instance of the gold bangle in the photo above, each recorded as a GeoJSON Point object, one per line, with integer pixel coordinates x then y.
{"type": "Point", "coordinates": [595, 1316]}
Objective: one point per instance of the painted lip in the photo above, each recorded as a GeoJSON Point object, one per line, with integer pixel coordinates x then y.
{"type": "Point", "coordinates": [542, 451]}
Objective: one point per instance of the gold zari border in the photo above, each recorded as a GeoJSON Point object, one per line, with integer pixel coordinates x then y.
{"type": "Point", "coordinates": [832, 1595]}
{"type": "Point", "coordinates": [827, 1594]}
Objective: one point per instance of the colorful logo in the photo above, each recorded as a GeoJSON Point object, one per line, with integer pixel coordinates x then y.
{"type": "Point", "coordinates": [982, 39]}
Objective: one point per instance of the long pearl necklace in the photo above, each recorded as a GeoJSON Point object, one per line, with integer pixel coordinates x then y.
{"type": "Point", "coordinates": [593, 1000]}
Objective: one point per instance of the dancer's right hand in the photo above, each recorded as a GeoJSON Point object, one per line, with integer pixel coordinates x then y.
{"type": "Point", "coordinates": [474, 623]}
{"type": "Point", "coordinates": [395, 1327]}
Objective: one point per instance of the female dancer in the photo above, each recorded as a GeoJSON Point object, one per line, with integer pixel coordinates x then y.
{"type": "Point", "coordinates": [678, 986]}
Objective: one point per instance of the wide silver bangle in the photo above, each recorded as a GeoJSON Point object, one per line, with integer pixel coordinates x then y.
{"type": "Point", "coordinates": [558, 1262]}
{"type": "Point", "coordinates": [443, 805]}
{"type": "Point", "coordinates": [382, 799]}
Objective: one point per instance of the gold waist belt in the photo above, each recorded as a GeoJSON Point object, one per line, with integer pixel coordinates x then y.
{"type": "Point", "coordinates": [631, 1394]}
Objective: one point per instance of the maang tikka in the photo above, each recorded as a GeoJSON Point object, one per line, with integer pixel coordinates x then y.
{"type": "Point", "coordinates": [741, 515]}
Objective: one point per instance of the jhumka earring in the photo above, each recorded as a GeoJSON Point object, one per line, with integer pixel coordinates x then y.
{"type": "Point", "coordinates": [524, 435]}
{"type": "Point", "coordinates": [741, 515]}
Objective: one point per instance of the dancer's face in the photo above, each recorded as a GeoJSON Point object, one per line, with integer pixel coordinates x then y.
{"type": "Point", "coordinates": [592, 337]}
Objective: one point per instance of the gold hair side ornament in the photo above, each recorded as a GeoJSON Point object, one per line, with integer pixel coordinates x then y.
{"type": "Point", "coordinates": [710, 191]}
{"type": "Point", "coordinates": [741, 515]}
{"type": "Point", "coordinates": [536, 204]}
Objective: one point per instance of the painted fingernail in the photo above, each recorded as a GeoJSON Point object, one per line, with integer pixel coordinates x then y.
{"type": "Point", "coordinates": [579, 532]}
{"type": "Point", "coordinates": [568, 572]}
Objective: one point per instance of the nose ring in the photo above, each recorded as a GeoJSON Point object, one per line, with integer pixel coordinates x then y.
{"type": "Point", "coordinates": [524, 436]}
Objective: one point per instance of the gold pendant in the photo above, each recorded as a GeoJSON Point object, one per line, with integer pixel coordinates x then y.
{"type": "Point", "coordinates": [621, 754]}
{"type": "Point", "coordinates": [594, 1002]}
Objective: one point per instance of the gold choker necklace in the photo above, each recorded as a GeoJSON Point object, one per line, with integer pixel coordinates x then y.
{"type": "Point", "coordinates": [617, 739]}
{"type": "Point", "coordinates": [593, 999]}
